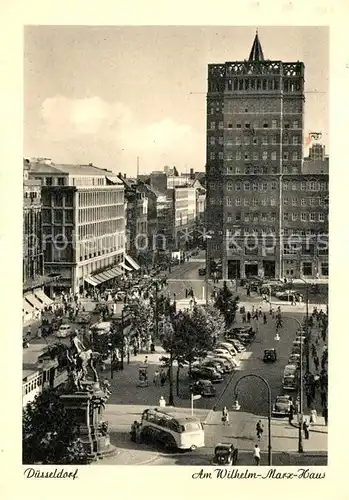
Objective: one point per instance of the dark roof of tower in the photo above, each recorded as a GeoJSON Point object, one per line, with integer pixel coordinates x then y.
{"type": "Point", "coordinates": [256, 53]}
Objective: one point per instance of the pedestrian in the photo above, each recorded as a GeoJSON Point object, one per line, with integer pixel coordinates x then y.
{"type": "Point", "coordinates": [325, 414]}
{"type": "Point", "coordinates": [248, 317]}
{"type": "Point", "coordinates": [306, 429]}
{"type": "Point", "coordinates": [260, 311]}
{"type": "Point", "coordinates": [257, 454]}
{"type": "Point", "coordinates": [291, 413]}
{"type": "Point", "coordinates": [162, 378]}
{"type": "Point", "coordinates": [259, 429]}
{"type": "Point", "coordinates": [316, 363]}
{"type": "Point", "coordinates": [244, 318]}
{"type": "Point", "coordinates": [264, 318]}
{"type": "Point", "coordinates": [313, 416]}
{"type": "Point", "coordinates": [156, 377]}
{"type": "Point", "coordinates": [186, 293]}
{"type": "Point", "coordinates": [225, 416]}
{"type": "Point", "coordinates": [248, 291]}
{"type": "Point", "coordinates": [146, 360]}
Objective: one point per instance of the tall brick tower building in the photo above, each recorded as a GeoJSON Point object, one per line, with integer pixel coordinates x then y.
{"type": "Point", "coordinates": [255, 112]}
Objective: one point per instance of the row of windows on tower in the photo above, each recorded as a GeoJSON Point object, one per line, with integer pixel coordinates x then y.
{"type": "Point", "coordinates": [287, 217]}
{"type": "Point", "coordinates": [256, 125]}
{"type": "Point", "coordinates": [263, 84]}
{"type": "Point", "coordinates": [246, 140]}
{"type": "Point", "coordinates": [266, 186]}
{"type": "Point", "coordinates": [286, 169]}
{"type": "Point", "coordinates": [265, 202]}
{"type": "Point", "coordinates": [228, 155]}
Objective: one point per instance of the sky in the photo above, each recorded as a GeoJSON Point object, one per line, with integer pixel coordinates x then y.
{"type": "Point", "coordinates": [108, 95]}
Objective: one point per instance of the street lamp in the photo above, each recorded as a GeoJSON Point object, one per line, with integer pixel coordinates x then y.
{"type": "Point", "coordinates": [236, 407]}
{"type": "Point", "coordinates": [300, 437]}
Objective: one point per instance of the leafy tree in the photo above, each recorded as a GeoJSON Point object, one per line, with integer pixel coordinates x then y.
{"type": "Point", "coordinates": [216, 322]}
{"type": "Point", "coordinates": [227, 304]}
{"type": "Point", "coordinates": [141, 317]}
{"type": "Point", "coordinates": [50, 433]}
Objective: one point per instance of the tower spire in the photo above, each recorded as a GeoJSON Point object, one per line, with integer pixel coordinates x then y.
{"type": "Point", "coordinates": [256, 53]}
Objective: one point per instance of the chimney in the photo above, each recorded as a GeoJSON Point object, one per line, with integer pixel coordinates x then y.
{"type": "Point", "coordinates": [90, 164]}
{"type": "Point", "coordinates": [124, 176]}
{"type": "Point", "coordinates": [120, 175]}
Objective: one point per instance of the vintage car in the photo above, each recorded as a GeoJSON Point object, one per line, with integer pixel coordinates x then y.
{"type": "Point", "coordinates": [206, 373]}
{"type": "Point", "coordinates": [225, 454]}
{"type": "Point", "coordinates": [294, 359]}
{"type": "Point", "coordinates": [282, 404]}
{"type": "Point", "coordinates": [269, 355]}
{"type": "Point", "coordinates": [203, 387]}
{"type": "Point", "coordinates": [202, 271]}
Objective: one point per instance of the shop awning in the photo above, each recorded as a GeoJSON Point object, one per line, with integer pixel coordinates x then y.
{"type": "Point", "coordinates": [33, 301]}
{"type": "Point", "coordinates": [132, 262]}
{"type": "Point", "coordinates": [125, 267]}
{"type": "Point", "coordinates": [90, 281]}
{"type": "Point", "coordinates": [27, 308]}
{"type": "Point", "coordinates": [116, 271]}
{"type": "Point", "coordinates": [43, 297]}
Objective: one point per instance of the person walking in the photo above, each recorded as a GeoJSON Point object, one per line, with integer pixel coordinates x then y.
{"type": "Point", "coordinates": [265, 319]}
{"type": "Point", "coordinates": [325, 414]}
{"type": "Point", "coordinates": [257, 454]}
{"type": "Point", "coordinates": [259, 429]}
{"type": "Point", "coordinates": [306, 429]}
{"type": "Point", "coordinates": [156, 377]}
{"type": "Point", "coordinates": [162, 378]}
{"type": "Point", "coordinates": [225, 416]}
{"type": "Point", "coordinates": [313, 416]}
{"type": "Point", "coordinates": [291, 413]}
{"type": "Point", "coordinates": [248, 317]}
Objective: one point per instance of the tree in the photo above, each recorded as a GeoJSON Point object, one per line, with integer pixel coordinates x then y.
{"type": "Point", "coordinates": [141, 317]}
{"type": "Point", "coordinates": [50, 433]}
{"type": "Point", "coordinates": [216, 322]}
{"type": "Point", "coordinates": [227, 304]}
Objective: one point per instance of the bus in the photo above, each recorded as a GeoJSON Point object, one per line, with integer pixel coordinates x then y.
{"type": "Point", "coordinates": [290, 378]}
{"type": "Point", "coordinates": [171, 430]}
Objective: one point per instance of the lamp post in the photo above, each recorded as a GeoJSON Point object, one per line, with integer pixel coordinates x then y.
{"type": "Point", "coordinates": [237, 407]}
{"type": "Point", "coordinates": [307, 350]}
{"type": "Point", "coordinates": [207, 274]}
{"type": "Point", "coordinates": [300, 424]}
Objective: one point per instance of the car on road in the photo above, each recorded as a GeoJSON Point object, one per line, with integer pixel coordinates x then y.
{"type": "Point", "coordinates": [269, 355]}
{"type": "Point", "coordinates": [202, 271]}
{"type": "Point", "coordinates": [203, 387]}
{"type": "Point", "coordinates": [294, 359]}
{"type": "Point", "coordinates": [64, 331]}
{"type": "Point", "coordinates": [281, 406]}
{"type": "Point", "coordinates": [225, 454]}
{"type": "Point", "coordinates": [207, 373]}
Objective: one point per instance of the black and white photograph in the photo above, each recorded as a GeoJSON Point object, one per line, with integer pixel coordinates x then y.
{"type": "Point", "coordinates": [175, 246]}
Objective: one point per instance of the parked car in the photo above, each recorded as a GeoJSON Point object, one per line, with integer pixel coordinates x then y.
{"type": "Point", "coordinates": [202, 271]}
{"type": "Point", "coordinates": [224, 357]}
{"type": "Point", "coordinates": [64, 331]}
{"type": "Point", "coordinates": [269, 355]}
{"type": "Point", "coordinates": [290, 378]}
{"type": "Point", "coordinates": [203, 387]}
{"type": "Point", "coordinates": [300, 338]}
{"type": "Point", "coordinates": [207, 373]}
{"type": "Point", "coordinates": [228, 347]}
{"type": "Point", "coordinates": [217, 365]}
{"type": "Point", "coordinates": [282, 405]}
{"type": "Point", "coordinates": [227, 363]}
{"type": "Point", "coordinates": [225, 454]}
{"type": "Point", "coordinates": [224, 352]}
{"type": "Point", "coordinates": [294, 359]}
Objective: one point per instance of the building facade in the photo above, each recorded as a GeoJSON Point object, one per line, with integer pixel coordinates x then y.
{"type": "Point", "coordinates": [184, 216]}
{"type": "Point", "coordinates": [255, 121]}
{"type": "Point", "coordinates": [83, 224]}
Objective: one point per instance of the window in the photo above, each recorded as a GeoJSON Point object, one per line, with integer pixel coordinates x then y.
{"type": "Point", "coordinates": [230, 125]}
{"type": "Point", "coordinates": [312, 186]}
{"type": "Point", "coordinates": [238, 125]}
{"type": "Point", "coordinates": [229, 155]}
{"type": "Point", "coordinates": [303, 202]}
{"type": "Point", "coordinates": [246, 186]}
{"type": "Point", "coordinates": [312, 201]}
{"type": "Point", "coordinates": [246, 141]}
{"type": "Point", "coordinates": [246, 202]}
{"type": "Point", "coordinates": [286, 155]}
{"type": "Point", "coordinates": [295, 124]}
{"type": "Point", "coordinates": [220, 140]}
{"type": "Point", "coordinates": [273, 185]}
{"type": "Point", "coordinates": [254, 202]}
{"type": "Point", "coordinates": [273, 155]}
{"type": "Point", "coordinates": [322, 186]}
{"type": "Point", "coordinates": [265, 186]}
{"type": "Point", "coordinates": [273, 202]}
{"type": "Point", "coordinates": [49, 181]}
{"type": "Point", "coordinates": [247, 218]}
{"type": "Point", "coordinates": [229, 141]}
{"type": "Point", "coordinates": [255, 141]}
{"type": "Point", "coordinates": [60, 181]}
{"type": "Point", "coordinates": [265, 125]}
{"type": "Point", "coordinates": [248, 170]}
{"type": "Point", "coordinates": [212, 141]}
{"type": "Point", "coordinates": [287, 125]}
{"type": "Point", "coordinates": [295, 140]}
{"type": "Point", "coordinates": [220, 125]}
{"type": "Point", "coordinates": [220, 155]}
{"type": "Point", "coordinates": [254, 186]}
{"type": "Point", "coordinates": [237, 216]}
{"type": "Point", "coordinates": [286, 141]}
{"type": "Point", "coordinates": [295, 170]}
{"type": "Point", "coordinates": [294, 216]}
{"type": "Point", "coordinates": [238, 155]}
{"type": "Point", "coordinates": [238, 141]}
{"type": "Point", "coordinates": [247, 125]}
{"type": "Point", "coordinates": [274, 169]}
{"type": "Point", "coordinates": [265, 140]}
{"type": "Point", "coordinates": [229, 169]}
{"type": "Point", "coordinates": [285, 216]}
{"type": "Point", "coordinates": [237, 170]}
{"type": "Point", "coordinates": [274, 124]}
{"type": "Point", "coordinates": [229, 186]}
{"type": "Point", "coordinates": [247, 156]}
{"type": "Point", "coordinates": [294, 202]}
{"type": "Point", "coordinates": [264, 155]}
{"type": "Point", "coordinates": [303, 217]}
{"type": "Point", "coordinates": [255, 155]}
{"type": "Point", "coordinates": [312, 217]}
{"type": "Point", "coordinates": [273, 139]}
{"type": "Point", "coordinates": [255, 170]}
{"type": "Point", "coordinates": [285, 185]}
{"type": "Point", "coordinates": [294, 186]}
{"type": "Point", "coordinates": [303, 186]}
{"type": "Point", "coordinates": [237, 202]}
{"type": "Point", "coordinates": [229, 201]}
{"type": "Point", "coordinates": [264, 202]}
{"type": "Point", "coordinates": [212, 156]}
{"type": "Point", "coordinates": [238, 186]}
{"type": "Point", "coordinates": [264, 217]}
{"type": "Point", "coordinates": [285, 201]}
{"type": "Point", "coordinates": [212, 125]}
{"type": "Point", "coordinates": [294, 155]}
{"type": "Point", "coordinates": [321, 217]}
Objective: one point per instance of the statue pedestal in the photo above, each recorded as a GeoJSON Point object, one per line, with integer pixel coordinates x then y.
{"type": "Point", "coordinates": [87, 407]}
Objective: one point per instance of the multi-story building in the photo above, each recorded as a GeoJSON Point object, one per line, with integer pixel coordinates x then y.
{"type": "Point", "coordinates": [255, 116]}
{"type": "Point", "coordinates": [184, 216]}
{"type": "Point", "coordinates": [317, 152]}
{"type": "Point", "coordinates": [83, 224]}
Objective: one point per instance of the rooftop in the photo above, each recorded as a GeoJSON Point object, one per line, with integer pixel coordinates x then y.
{"type": "Point", "coordinates": [44, 168]}
{"type": "Point", "coordinates": [256, 53]}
